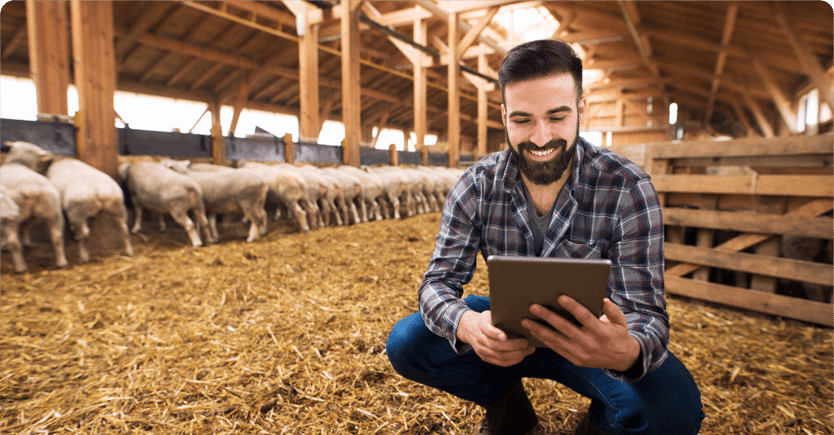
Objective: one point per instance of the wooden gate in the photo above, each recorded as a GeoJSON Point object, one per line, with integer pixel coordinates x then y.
{"type": "Point", "coordinates": [729, 205]}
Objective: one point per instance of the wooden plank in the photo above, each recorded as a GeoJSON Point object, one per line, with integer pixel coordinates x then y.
{"type": "Point", "coordinates": [794, 308]}
{"type": "Point", "coordinates": [95, 79]}
{"type": "Point", "coordinates": [453, 71]}
{"type": "Point", "coordinates": [801, 226]}
{"type": "Point", "coordinates": [420, 92]}
{"type": "Point", "coordinates": [351, 84]}
{"type": "Point", "coordinates": [783, 185]}
{"type": "Point", "coordinates": [766, 249]}
{"type": "Point", "coordinates": [822, 144]}
{"type": "Point", "coordinates": [798, 161]}
{"type": "Point", "coordinates": [744, 241]}
{"type": "Point", "coordinates": [308, 80]}
{"type": "Point", "coordinates": [49, 55]}
{"type": "Point", "coordinates": [787, 268]}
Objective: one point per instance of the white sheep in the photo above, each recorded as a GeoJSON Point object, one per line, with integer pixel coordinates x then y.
{"type": "Point", "coordinates": [161, 190]}
{"type": "Point", "coordinates": [226, 191]}
{"type": "Point", "coordinates": [36, 199]}
{"type": "Point", "coordinates": [85, 193]}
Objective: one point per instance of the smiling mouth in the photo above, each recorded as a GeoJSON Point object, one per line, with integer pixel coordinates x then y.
{"type": "Point", "coordinates": [542, 153]}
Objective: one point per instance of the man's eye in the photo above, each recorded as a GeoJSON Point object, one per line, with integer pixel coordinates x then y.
{"type": "Point", "coordinates": [520, 121]}
{"type": "Point", "coordinates": [562, 118]}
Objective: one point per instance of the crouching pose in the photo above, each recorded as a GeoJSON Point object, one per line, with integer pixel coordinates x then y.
{"type": "Point", "coordinates": [551, 194]}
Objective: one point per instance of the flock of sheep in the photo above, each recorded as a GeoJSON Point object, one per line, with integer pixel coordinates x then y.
{"type": "Point", "coordinates": [39, 186]}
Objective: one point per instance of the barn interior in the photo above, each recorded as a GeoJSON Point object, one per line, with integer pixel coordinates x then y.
{"type": "Point", "coordinates": [727, 105]}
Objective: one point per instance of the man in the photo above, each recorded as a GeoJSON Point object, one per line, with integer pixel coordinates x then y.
{"type": "Point", "coordinates": [551, 194]}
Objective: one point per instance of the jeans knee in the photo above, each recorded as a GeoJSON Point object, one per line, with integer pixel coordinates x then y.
{"type": "Point", "coordinates": [398, 347]}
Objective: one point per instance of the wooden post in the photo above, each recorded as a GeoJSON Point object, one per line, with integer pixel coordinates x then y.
{"type": "Point", "coordinates": [420, 87]}
{"type": "Point", "coordinates": [454, 92]}
{"type": "Point", "coordinates": [289, 149]}
{"type": "Point", "coordinates": [49, 54]}
{"type": "Point", "coordinates": [395, 158]}
{"type": "Point", "coordinates": [351, 84]}
{"type": "Point", "coordinates": [308, 62]}
{"type": "Point", "coordinates": [218, 142]}
{"type": "Point", "coordinates": [481, 148]}
{"type": "Point", "coordinates": [95, 79]}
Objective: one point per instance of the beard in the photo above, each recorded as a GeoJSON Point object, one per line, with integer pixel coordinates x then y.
{"type": "Point", "coordinates": [548, 172]}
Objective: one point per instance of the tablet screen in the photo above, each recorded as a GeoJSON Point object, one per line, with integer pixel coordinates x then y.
{"type": "Point", "coordinates": [517, 282]}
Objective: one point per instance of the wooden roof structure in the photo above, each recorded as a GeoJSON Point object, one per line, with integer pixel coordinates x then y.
{"type": "Point", "coordinates": [735, 68]}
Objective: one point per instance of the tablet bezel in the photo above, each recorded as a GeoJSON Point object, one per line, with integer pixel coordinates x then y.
{"type": "Point", "coordinates": [517, 282]}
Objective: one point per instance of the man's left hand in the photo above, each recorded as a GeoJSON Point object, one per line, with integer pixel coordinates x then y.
{"type": "Point", "coordinates": [602, 342]}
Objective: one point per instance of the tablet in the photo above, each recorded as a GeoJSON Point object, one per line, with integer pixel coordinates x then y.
{"type": "Point", "coordinates": [517, 282]}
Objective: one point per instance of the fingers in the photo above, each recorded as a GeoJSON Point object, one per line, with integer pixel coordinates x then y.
{"type": "Point", "coordinates": [613, 313]}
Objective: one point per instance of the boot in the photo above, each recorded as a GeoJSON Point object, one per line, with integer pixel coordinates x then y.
{"type": "Point", "coordinates": [513, 416]}
{"type": "Point", "coordinates": [585, 427]}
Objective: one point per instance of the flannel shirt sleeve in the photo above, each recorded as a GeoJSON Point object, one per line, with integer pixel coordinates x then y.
{"type": "Point", "coordinates": [637, 258]}
{"type": "Point", "coordinates": [452, 264]}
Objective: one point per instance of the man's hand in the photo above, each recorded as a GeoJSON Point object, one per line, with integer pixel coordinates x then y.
{"type": "Point", "coordinates": [600, 343]}
{"type": "Point", "coordinates": [489, 342]}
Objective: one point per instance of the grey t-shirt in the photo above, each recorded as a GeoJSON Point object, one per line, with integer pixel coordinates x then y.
{"type": "Point", "coordinates": [540, 223]}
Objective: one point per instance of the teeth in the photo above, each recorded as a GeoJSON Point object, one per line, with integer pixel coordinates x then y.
{"type": "Point", "coordinates": [542, 153]}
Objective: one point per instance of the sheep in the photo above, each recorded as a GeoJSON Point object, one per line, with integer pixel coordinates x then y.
{"type": "Point", "coordinates": [154, 187]}
{"type": "Point", "coordinates": [316, 191]}
{"type": "Point", "coordinates": [227, 190]}
{"type": "Point", "coordinates": [354, 195]}
{"type": "Point", "coordinates": [86, 192]}
{"type": "Point", "coordinates": [285, 188]}
{"type": "Point", "coordinates": [371, 190]}
{"type": "Point", "coordinates": [35, 198]}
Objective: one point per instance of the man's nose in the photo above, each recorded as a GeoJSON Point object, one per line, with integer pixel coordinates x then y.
{"type": "Point", "coordinates": [540, 134]}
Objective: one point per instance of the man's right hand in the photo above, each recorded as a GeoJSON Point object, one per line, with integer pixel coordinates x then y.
{"type": "Point", "coordinates": [489, 342]}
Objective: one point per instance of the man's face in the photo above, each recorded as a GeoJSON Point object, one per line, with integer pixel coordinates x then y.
{"type": "Point", "coordinates": [542, 119]}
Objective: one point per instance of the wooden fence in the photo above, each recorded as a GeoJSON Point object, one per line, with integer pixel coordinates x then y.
{"type": "Point", "coordinates": [729, 205]}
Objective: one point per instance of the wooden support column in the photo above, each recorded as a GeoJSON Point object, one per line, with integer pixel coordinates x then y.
{"type": "Point", "coordinates": [454, 92]}
{"type": "Point", "coordinates": [420, 92]}
{"type": "Point", "coordinates": [351, 83]}
{"type": "Point", "coordinates": [218, 141]}
{"type": "Point", "coordinates": [395, 157]}
{"type": "Point", "coordinates": [308, 61]}
{"type": "Point", "coordinates": [95, 79]}
{"type": "Point", "coordinates": [481, 148]}
{"type": "Point", "coordinates": [780, 100]}
{"type": "Point", "coordinates": [49, 55]}
{"type": "Point", "coordinates": [289, 149]}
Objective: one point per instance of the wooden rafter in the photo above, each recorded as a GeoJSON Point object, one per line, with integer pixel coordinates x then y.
{"type": "Point", "coordinates": [726, 36]}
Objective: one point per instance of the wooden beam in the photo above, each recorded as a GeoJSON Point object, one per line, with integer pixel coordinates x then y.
{"type": "Point", "coordinates": [814, 208]}
{"type": "Point", "coordinates": [809, 62]}
{"type": "Point", "coordinates": [420, 92]}
{"type": "Point", "coordinates": [763, 223]}
{"type": "Point", "coordinates": [18, 37]}
{"type": "Point", "coordinates": [786, 268]}
{"type": "Point", "coordinates": [726, 36]}
{"type": "Point", "coordinates": [240, 102]}
{"type": "Point", "coordinates": [750, 147]}
{"type": "Point", "coordinates": [475, 31]}
{"type": "Point", "coordinates": [785, 306]}
{"type": "Point", "coordinates": [453, 71]}
{"type": "Point", "coordinates": [761, 119]}
{"type": "Point", "coordinates": [782, 103]}
{"type": "Point", "coordinates": [790, 185]}
{"type": "Point", "coordinates": [49, 55]}
{"type": "Point", "coordinates": [308, 61]}
{"type": "Point", "coordinates": [95, 79]}
{"type": "Point", "coordinates": [351, 82]}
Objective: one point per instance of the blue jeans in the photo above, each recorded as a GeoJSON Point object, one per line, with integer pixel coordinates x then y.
{"type": "Point", "coordinates": [664, 402]}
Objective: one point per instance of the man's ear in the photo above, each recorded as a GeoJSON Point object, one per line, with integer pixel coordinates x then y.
{"type": "Point", "coordinates": [503, 115]}
{"type": "Point", "coordinates": [580, 110]}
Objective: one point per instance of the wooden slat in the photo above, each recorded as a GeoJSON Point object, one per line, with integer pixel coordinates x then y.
{"type": "Point", "coordinates": [794, 308]}
{"type": "Point", "coordinates": [814, 227]}
{"type": "Point", "coordinates": [782, 185]}
{"type": "Point", "coordinates": [744, 241]}
{"type": "Point", "coordinates": [787, 268]}
{"type": "Point", "coordinates": [782, 146]}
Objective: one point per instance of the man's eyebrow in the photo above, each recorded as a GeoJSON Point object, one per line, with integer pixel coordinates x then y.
{"type": "Point", "coordinates": [559, 109]}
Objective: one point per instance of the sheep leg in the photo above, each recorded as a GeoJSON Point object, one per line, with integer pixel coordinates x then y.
{"type": "Point", "coordinates": [11, 237]}
{"type": "Point", "coordinates": [81, 231]}
{"type": "Point", "coordinates": [137, 217]}
{"type": "Point", "coordinates": [181, 217]}
{"type": "Point", "coordinates": [56, 234]}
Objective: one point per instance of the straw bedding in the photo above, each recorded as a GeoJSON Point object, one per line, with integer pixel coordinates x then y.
{"type": "Point", "coordinates": [287, 335]}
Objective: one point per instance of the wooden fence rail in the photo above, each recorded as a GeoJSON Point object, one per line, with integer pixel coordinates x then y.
{"type": "Point", "coordinates": [728, 207]}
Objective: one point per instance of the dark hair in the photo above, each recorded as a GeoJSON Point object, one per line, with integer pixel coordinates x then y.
{"type": "Point", "coordinates": [540, 58]}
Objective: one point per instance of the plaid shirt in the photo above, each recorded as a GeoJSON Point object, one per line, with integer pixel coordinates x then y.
{"type": "Point", "coordinates": [608, 208]}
